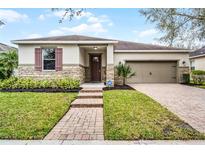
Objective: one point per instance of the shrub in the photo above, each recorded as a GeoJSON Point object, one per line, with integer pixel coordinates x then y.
{"type": "Point", "coordinates": [29, 83]}
{"type": "Point", "coordinates": [186, 78]}
{"type": "Point", "coordinates": [198, 72]}
{"type": "Point", "coordinates": [198, 76]}
{"type": "Point", "coordinates": [8, 83]}
{"type": "Point", "coordinates": [124, 71]}
{"type": "Point", "coordinates": [8, 62]}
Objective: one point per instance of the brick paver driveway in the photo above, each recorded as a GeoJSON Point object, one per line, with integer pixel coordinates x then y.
{"type": "Point", "coordinates": [185, 101]}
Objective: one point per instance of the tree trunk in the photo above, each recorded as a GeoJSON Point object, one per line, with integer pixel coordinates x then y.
{"type": "Point", "coordinates": [123, 81]}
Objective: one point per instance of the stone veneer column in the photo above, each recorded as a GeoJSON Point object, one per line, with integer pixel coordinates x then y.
{"type": "Point", "coordinates": [110, 64]}
{"type": "Point", "coordinates": [181, 70]}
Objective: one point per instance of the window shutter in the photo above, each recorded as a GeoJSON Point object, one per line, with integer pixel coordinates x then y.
{"type": "Point", "coordinates": [38, 59]}
{"type": "Point", "coordinates": [59, 59]}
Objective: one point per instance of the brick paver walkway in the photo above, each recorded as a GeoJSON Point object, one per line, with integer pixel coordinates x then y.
{"type": "Point", "coordinates": [185, 101]}
{"type": "Point", "coordinates": [84, 120]}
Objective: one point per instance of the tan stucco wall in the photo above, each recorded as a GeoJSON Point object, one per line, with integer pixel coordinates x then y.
{"type": "Point", "coordinates": [152, 56]}
{"type": "Point", "coordinates": [179, 57]}
{"type": "Point", "coordinates": [82, 57]}
{"type": "Point", "coordinates": [110, 55]}
{"type": "Point", "coordinates": [70, 53]}
{"type": "Point", "coordinates": [199, 63]}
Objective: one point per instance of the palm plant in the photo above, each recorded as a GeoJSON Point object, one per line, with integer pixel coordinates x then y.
{"type": "Point", "coordinates": [124, 71]}
{"type": "Point", "coordinates": [8, 62]}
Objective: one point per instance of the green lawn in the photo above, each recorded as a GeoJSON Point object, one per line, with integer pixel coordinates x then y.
{"type": "Point", "coordinates": [130, 115]}
{"type": "Point", "coordinates": [202, 86]}
{"type": "Point", "coordinates": [29, 115]}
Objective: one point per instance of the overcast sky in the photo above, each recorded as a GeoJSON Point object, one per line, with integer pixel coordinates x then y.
{"type": "Point", "coordinates": [123, 24]}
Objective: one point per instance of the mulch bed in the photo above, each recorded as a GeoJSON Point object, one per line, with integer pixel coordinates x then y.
{"type": "Point", "coordinates": [119, 87]}
{"type": "Point", "coordinates": [47, 90]}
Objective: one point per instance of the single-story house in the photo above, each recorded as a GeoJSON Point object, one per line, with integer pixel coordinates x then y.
{"type": "Point", "coordinates": [197, 59]}
{"type": "Point", "coordinates": [92, 59]}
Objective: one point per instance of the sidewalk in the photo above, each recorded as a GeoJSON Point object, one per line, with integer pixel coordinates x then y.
{"type": "Point", "coordinates": [98, 142]}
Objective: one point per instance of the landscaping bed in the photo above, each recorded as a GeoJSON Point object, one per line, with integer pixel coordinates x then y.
{"type": "Point", "coordinates": [29, 115]}
{"type": "Point", "coordinates": [118, 87]}
{"type": "Point", "coordinates": [131, 115]}
{"type": "Point", "coordinates": [15, 84]}
{"type": "Point", "coordinates": [47, 90]}
{"type": "Point", "coordinates": [196, 85]}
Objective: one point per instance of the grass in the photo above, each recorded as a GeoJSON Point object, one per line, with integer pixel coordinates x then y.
{"type": "Point", "coordinates": [197, 85]}
{"type": "Point", "coordinates": [131, 115]}
{"type": "Point", "coordinates": [30, 115]}
{"type": "Point", "coordinates": [202, 86]}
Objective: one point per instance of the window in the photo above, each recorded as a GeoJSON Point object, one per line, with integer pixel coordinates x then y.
{"type": "Point", "coordinates": [48, 58]}
{"type": "Point", "coordinates": [192, 65]}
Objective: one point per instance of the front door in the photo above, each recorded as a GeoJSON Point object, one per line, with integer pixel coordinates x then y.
{"type": "Point", "coordinates": [95, 65]}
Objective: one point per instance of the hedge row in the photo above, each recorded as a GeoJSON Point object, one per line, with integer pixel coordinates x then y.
{"type": "Point", "coordinates": [198, 72]}
{"type": "Point", "coordinates": [198, 76]}
{"type": "Point", "coordinates": [29, 83]}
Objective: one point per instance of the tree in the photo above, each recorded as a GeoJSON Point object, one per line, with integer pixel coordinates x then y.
{"type": "Point", "coordinates": [69, 12]}
{"type": "Point", "coordinates": [181, 27]}
{"type": "Point", "coordinates": [1, 23]}
{"type": "Point", "coordinates": [8, 62]}
{"type": "Point", "coordinates": [124, 71]}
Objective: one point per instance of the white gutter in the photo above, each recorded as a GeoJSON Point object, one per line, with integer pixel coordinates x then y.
{"type": "Point", "coordinates": [151, 60]}
{"type": "Point", "coordinates": [151, 51]}
{"type": "Point", "coordinates": [197, 56]}
{"type": "Point", "coordinates": [63, 42]}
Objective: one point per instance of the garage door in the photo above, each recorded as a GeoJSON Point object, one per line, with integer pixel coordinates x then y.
{"type": "Point", "coordinates": [153, 72]}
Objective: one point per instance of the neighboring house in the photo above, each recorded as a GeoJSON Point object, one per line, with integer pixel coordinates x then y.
{"type": "Point", "coordinates": [4, 47]}
{"type": "Point", "coordinates": [91, 59]}
{"type": "Point", "coordinates": [197, 59]}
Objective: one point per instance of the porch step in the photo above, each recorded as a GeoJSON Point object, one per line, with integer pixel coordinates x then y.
{"type": "Point", "coordinates": [80, 103]}
{"type": "Point", "coordinates": [91, 90]}
{"type": "Point", "coordinates": [90, 95]}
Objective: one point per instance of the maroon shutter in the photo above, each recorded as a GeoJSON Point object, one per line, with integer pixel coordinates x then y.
{"type": "Point", "coordinates": [59, 59]}
{"type": "Point", "coordinates": [38, 59]}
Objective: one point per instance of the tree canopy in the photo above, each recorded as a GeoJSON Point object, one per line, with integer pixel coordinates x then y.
{"type": "Point", "coordinates": [70, 13]}
{"type": "Point", "coordinates": [1, 23]}
{"type": "Point", "coordinates": [8, 62]}
{"type": "Point", "coordinates": [180, 27]}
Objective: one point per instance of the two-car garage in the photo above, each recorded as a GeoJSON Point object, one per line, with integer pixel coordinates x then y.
{"type": "Point", "coordinates": [152, 63]}
{"type": "Point", "coordinates": [153, 71]}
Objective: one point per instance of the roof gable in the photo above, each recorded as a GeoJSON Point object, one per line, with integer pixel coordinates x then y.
{"type": "Point", "coordinates": [198, 53]}
{"type": "Point", "coordinates": [4, 47]}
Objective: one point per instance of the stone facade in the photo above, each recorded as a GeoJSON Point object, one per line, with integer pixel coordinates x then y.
{"type": "Point", "coordinates": [117, 79]}
{"type": "Point", "coordinates": [180, 71]}
{"type": "Point", "coordinates": [81, 73]}
{"type": "Point", "coordinates": [103, 72]}
{"type": "Point", "coordinates": [87, 74]}
{"type": "Point", "coordinates": [110, 73]}
{"type": "Point", "coordinates": [73, 71]}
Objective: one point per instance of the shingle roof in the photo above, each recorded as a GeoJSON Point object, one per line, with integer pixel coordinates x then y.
{"type": "Point", "coordinates": [199, 52]}
{"type": "Point", "coordinates": [68, 38]}
{"type": "Point", "coordinates": [4, 47]}
{"type": "Point", "coordinates": [125, 45]}
{"type": "Point", "coordinates": [121, 45]}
